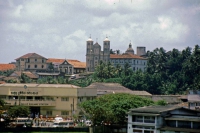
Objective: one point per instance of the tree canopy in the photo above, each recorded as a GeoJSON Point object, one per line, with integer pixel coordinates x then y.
{"type": "Point", "coordinates": [19, 111]}
{"type": "Point", "coordinates": [112, 108]}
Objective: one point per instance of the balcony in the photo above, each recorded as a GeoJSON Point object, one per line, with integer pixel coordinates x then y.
{"type": "Point", "coordinates": [30, 102]}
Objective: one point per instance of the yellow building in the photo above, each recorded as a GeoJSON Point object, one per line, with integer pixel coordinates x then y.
{"type": "Point", "coordinates": [47, 99]}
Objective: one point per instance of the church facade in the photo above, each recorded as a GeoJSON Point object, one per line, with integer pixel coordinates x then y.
{"type": "Point", "coordinates": [94, 54]}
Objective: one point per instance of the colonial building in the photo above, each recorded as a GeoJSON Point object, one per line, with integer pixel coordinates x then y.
{"type": "Point", "coordinates": [136, 62]}
{"type": "Point", "coordinates": [163, 119]}
{"type": "Point", "coordinates": [94, 54]}
{"type": "Point", "coordinates": [67, 66]}
{"type": "Point", "coordinates": [36, 63]}
{"type": "Point", "coordinates": [47, 99]}
{"type": "Point", "coordinates": [31, 62]}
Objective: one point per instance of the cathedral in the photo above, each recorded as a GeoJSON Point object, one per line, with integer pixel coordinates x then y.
{"type": "Point", "coordinates": [94, 53]}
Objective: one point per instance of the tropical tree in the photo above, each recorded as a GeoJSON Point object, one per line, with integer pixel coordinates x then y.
{"type": "Point", "coordinates": [112, 108]}
{"type": "Point", "coordinates": [19, 111]}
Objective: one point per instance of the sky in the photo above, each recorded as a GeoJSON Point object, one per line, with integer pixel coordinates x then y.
{"type": "Point", "coordinates": [60, 28]}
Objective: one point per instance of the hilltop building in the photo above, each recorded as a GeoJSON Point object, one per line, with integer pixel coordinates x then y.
{"type": "Point", "coordinates": [34, 62]}
{"type": "Point", "coordinates": [31, 62]}
{"type": "Point", "coordinates": [94, 55]}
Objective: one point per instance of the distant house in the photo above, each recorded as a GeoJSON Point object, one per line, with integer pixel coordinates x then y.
{"type": "Point", "coordinates": [136, 62]}
{"type": "Point", "coordinates": [163, 119]}
{"type": "Point", "coordinates": [31, 62]}
{"type": "Point", "coordinates": [16, 75]}
{"type": "Point", "coordinates": [67, 66]}
{"type": "Point", "coordinates": [108, 88]}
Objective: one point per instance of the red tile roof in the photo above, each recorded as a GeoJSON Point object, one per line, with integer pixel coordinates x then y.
{"type": "Point", "coordinates": [5, 67]}
{"type": "Point", "coordinates": [126, 56]}
{"type": "Point", "coordinates": [75, 63]}
{"type": "Point", "coordinates": [30, 55]}
{"type": "Point", "coordinates": [53, 60]}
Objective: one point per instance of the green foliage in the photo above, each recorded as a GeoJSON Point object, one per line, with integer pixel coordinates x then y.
{"type": "Point", "coordinates": [51, 67]}
{"type": "Point", "coordinates": [113, 107]}
{"type": "Point", "coordinates": [171, 72]}
{"type": "Point", "coordinates": [113, 80]}
{"type": "Point", "coordinates": [6, 73]}
{"type": "Point", "coordinates": [19, 111]}
{"type": "Point", "coordinates": [161, 102]}
{"type": "Point", "coordinates": [24, 78]}
{"type": "Point", "coordinates": [82, 82]}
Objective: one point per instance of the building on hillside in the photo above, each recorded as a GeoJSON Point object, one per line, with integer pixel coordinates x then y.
{"type": "Point", "coordinates": [17, 75]}
{"type": "Point", "coordinates": [31, 62]}
{"type": "Point", "coordinates": [67, 66]}
{"type": "Point", "coordinates": [136, 62]}
{"type": "Point", "coordinates": [141, 51]}
{"type": "Point", "coordinates": [163, 119]}
{"type": "Point", "coordinates": [7, 67]}
{"type": "Point", "coordinates": [47, 99]}
{"type": "Point", "coordinates": [94, 54]}
{"type": "Point", "coordinates": [130, 49]}
{"type": "Point", "coordinates": [108, 88]}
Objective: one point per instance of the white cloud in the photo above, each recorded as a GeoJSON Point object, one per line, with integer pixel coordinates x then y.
{"type": "Point", "coordinates": [17, 11]}
{"type": "Point", "coordinates": [20, 27]}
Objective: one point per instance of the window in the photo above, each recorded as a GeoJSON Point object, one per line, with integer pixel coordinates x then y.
{"type": "Point", "coordinates": [22, 59]}
{"type": "Point", "coordinates": [42, 60]}
{"type": "Point", "coordinates": [49, 112]}
{"type": "Point", "coordinates": [64, 98]}
{"type": "Point", "coordinates": [28, 66]}
{"type": "Point", "coordinates": [42, 66]}
{"type": "Point", "coordinates": [64, 112]}
{"type": "Point", "coordinates": [144, 63]}
{"type": "Point", "coordinates": [35, 66]}
{"type": "Point", "coordinates": [139, 118]}
{"type": "Point", "coordinates": [50, 98]}
{"type": "Point", "coordinates": [35, 60]}
{"type": "Point", "coordinates": [149, 119]}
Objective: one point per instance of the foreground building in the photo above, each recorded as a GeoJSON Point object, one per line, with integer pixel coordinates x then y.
{"type": "Point", "coordinates": [47, 99]}
{"type": "Point", "coordinates": [163, 119]}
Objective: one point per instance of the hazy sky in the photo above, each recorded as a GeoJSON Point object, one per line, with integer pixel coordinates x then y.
{"type": "Point", "coordinates": [60, 28]}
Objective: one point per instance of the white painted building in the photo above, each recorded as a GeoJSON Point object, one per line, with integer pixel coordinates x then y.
{"type": "Point", "coordinates": [163, 119]}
